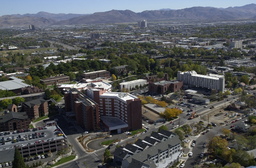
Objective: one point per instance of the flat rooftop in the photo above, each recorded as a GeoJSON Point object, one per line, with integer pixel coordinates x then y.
{"type": "Point", "coordinates": [121, 95]}
{"type": "Point", "coordinates": [13, 84]}
{"type": "Point", "coordinates": [113, 122]}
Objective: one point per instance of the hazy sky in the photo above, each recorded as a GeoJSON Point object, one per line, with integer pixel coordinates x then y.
{"type": "Point", "coordinates": [90, 6]}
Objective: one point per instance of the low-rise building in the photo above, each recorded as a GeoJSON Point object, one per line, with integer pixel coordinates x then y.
{"type": "Point", "coordinates": [159, 150]}
{"type": "Point", "coordinates": [55, 80]}
{"type": "Point", "coordinates": [11, 121]}
{"type": "Point", "coordinates": [36, 108]}
{"type": "Point", "coordinates": [130, 85]}
{"type": "Point", "coordinates": [96, 74]}
{"type": "Point", "coordinates": [162, 87]}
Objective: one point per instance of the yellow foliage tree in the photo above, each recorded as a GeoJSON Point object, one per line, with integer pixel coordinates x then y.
{"type": "Point", "coordinates": [113, 76]}
{"type": "Point", "coordinates": [171, 113]}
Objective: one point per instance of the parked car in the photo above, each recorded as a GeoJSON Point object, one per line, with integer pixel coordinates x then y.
{"type": "Point", "coordinates": [190, 154]}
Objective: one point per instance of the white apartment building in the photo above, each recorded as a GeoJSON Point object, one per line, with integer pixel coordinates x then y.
{"type": "Point", "coordinates": [211, 81]}
{"type": "Point", "coordinates": [133, 84]}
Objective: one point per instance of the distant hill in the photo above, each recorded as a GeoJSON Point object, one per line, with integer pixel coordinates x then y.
{"type": "Point", "coordinates": [55, 17]}
{"type": "Point", "coordinates": [120, 16]}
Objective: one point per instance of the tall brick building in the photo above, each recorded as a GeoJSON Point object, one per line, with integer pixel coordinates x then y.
{"type": "Point", "coordinates": [86, 110]}
{"type": "Point", "coordinates": [124, 106]}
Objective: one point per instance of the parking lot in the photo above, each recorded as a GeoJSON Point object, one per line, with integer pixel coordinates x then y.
{"type": "Point", "coordinates": [33, 143]}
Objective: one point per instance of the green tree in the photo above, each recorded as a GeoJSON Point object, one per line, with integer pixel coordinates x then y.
{"type": "Point", "coordinates": [107, 156]}
{"type": "Point", "coordinates": [18, 161]}
{"type": "Point", "coordinates": [245, 79]}
{"type": "Point", "coordinates": [233, 165]}
{"type": "Point", "coordinates": [5, 102]}
{"type": "Point", "coordinates": [163, 127]}
{"type": "Point", "coordinates": [18, 100]}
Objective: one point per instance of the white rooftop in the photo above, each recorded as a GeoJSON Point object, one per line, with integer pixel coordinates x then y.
{"type": "Point", "coordinates": [13, 84]}
{"type": "Point", "coordinates": [121, 95]}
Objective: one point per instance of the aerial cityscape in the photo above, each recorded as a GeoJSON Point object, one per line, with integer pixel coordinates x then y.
{"type": "Point", "coordinates": [135, 87]}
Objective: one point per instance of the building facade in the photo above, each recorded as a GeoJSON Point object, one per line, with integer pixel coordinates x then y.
{"type": "Point", "coordinates": [162, 87]}
{"type": "Point", "coordinates": [130, 85]}
{"type": "Point", "coordinates": [211, 81]}
{"type": "Point", "coordinates": [124, 106]}
{"type": "Point", "coordinates": [159, 150]}
{"type": "Point", "coordinates": [96, 74]}
{"type": "Point", "coordinates": [11, 121]}
{"type": "Point", "coordinates": [86, 110]}
{"type": "Point", "coordinates": [36, 108]}
{"type": "Point", "coordinates": [55, 80]}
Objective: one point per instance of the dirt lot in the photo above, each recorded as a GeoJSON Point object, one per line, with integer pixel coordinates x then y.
{"type": "Point", "coordinates": [149, 115]}
{"type": "Point", "coordinates": [220, 116]}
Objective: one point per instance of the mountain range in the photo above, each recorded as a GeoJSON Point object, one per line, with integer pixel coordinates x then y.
{"type": "Point", "coordinates": [202, 14]}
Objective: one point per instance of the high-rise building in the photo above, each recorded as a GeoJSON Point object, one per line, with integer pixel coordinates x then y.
{"type": "Point", "coordinates": [84, 109]}
{"type": "Point", "coordinates": [124, 106]}
{"type": "Point", "coordinates": [211, 81]}
{"type": "Point", "coordinates": [143, 24]}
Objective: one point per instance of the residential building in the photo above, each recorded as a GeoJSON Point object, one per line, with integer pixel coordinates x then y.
{"type": "Point", "coordinates": [130, 85]}
{"type": "Point", "coordinates": [211, 81]}
{"type": "Point", "coordinates": [84, 109]}
{"type": "Point", "coordinates": [159, 150]}
{"type": "Point", "coordinates": [11, 121]}
{"type": "Point", "coordinates": [162, 87]}
{"type": "Point", "coordinates": [124, 106]}
{"type": "Point", "coordinates": [55, 80]}
{"type": "Point", "coordinates": [36, 108]}
{"type": "Point", "coordinates": [96, 74]}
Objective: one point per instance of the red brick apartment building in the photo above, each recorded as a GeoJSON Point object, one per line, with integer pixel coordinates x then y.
{"type": "Point", "coordinates": [162, 87]}
{"type": "Point", "coordinates": [11, 121]}
{"type": "Point", "coordinates": [36, 108]}
{"type": "Point", "coordinates": [124, 106]}
{"type": "Point", "coordinates": [86, 110]}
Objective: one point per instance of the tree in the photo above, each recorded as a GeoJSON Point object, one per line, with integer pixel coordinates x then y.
{"type": "Point", "coordinates": [18, 161]}
{"type": "Point", "coordinates": [107, 156]}
{"type": "Point", "coordinates": [226, 131]}
{"type": "Point", "coordinates": [113, 77]}
{"type": "Point", "coordinates": [5, 102]}
{"type": "Point", "coordinates": [163, 127]}
{"type": "Point", "coordinates": [245, 79]}
{"type": "Point", "coordinates": [233, 165]}
{"type": "Point", "coordinates": [18, 100]}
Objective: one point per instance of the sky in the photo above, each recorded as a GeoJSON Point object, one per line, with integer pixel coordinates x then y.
{"type": "Point", "coordinates": [8, 7]}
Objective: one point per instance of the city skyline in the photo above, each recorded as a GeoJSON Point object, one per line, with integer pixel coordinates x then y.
{"type": "Point", "coordinates": [89, 7]}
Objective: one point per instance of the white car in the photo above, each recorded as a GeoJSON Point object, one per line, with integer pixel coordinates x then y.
{"type": "Point", "coordinates": [193, 144]}
{"type": "Point", "coordinates": [190, 154]}
{"type": "Point", "coordinates": [182, 165]}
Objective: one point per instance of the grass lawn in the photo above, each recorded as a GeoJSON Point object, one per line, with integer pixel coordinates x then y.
{"type": "Point", "coordinates": [64, 160]}
{"type": "Point", "coordinates": [108, 142]}
{"type": "Point", "coordinates": [137, 131]}
{"type": "Point", "coordinates": [40, 118]}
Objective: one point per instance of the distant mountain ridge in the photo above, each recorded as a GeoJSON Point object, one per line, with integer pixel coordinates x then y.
{"type": "Point", "coordinates": [120, 16]}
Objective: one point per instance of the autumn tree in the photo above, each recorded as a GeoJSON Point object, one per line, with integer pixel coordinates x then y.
{"type": "Point", "coordinates": [170, 113]}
